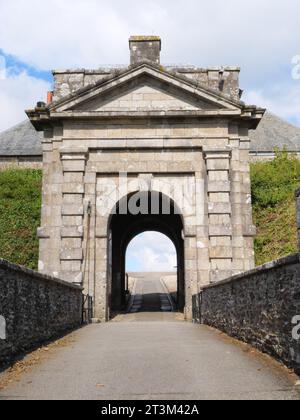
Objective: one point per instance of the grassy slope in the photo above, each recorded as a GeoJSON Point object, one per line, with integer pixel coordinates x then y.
{"type": "Point", "coordinates": [276, 231]}
{"type": "Point", "coordinates": [20, 206]}
{"type": "Point", "coordinates": [273, 185]}
{"type": "Point", "coordinates": [274, 209]}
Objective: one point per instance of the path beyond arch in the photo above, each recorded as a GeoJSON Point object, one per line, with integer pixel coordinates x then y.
{"type": "Point", "coordinates": [150, 356]}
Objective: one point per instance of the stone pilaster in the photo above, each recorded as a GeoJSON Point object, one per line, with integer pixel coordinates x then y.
{"type": "Point", "coordinates": [49, 233]}
{"type": "Point", "coordinates": [219, 214]}
{"type": "Point", "coordinates": [72, 212]}
{"type": "Point", "coordinates": [242, 221]}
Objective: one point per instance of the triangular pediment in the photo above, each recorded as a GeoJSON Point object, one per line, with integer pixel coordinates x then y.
{"type": "Point", "coordinates": [144, 89]}
{"type": "Point", "coordinates": [143, 95]}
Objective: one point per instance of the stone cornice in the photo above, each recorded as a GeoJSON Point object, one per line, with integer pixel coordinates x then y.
{"type": "Point", "coordinates": [144, 114]}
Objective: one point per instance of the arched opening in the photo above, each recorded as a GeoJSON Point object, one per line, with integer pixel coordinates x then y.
{"type": "Point", "coordinates": [133, 215]}
{"type": "Point", "coordinates": [151, 273]}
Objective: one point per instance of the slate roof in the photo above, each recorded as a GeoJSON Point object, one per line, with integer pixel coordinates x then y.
{"type": "Point", "coordinates": [21, 140]}
{"type": "Point", "coordinates": [272, 132]}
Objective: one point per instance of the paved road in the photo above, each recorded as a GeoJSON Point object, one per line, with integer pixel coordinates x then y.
{"type": "Point", "coordinates": [150, 295]}
{"type": "Point", "coordinates": [153, 356]}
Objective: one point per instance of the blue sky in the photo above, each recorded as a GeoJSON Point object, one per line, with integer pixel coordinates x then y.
{"type": "Point", "coordinates": [15, 67]}
{"type": "Point", "coordinates": [261, 36]}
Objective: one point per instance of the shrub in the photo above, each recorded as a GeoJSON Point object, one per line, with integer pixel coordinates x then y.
{"type": "Point", "coordinates": [20, 207]}
{"type": "Point", "coordinates": [273, 182]}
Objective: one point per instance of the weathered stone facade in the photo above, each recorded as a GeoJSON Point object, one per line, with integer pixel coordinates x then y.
{"type": "Point", "coordinates": [161, 126]}
{"type": "Point", "coordinates": [258, 307]}
{"type": "Point", "coordinates": [36, 308]}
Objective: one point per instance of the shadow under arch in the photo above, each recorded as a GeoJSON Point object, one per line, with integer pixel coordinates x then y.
{"type": "Point", "coordinates": [157, 213]}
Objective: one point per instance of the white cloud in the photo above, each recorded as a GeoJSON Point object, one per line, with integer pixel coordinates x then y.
{"type": "Point", "coordinates": [258, 35]}
{"type": "Point", "coordinates": [17, 93]}
{"type": "Point", "coordinates": [151, 252]}
{"type": "Point", "coordinates": [286, 105]}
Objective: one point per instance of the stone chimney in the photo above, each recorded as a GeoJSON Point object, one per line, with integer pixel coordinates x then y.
{"type": "Point", "coordinates": [145, 48]}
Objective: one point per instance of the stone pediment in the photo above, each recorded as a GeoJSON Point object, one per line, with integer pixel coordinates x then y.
{"type": "Point", "coordinates": [145, 89]}
{"type": "Point", "coordinates": [146, 95]}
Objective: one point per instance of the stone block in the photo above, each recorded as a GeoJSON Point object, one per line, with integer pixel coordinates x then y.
{"type": "Point", "coordinates": [75, 254]}
{"type": "Point", "coordinates": [219, 208]}
{"type": "Point", "coordinates": [72, 221]}
{"type": "Point", "coordinates": [220, 241]}
{"type": "Point", "coordinates": [43, 233]}
{"type": "Point", "coordinates": [70, 266]}
{"type": "Point", "coordinates": [220, 230]}
{"type": "Point", "coordinates": [249, 230]}
{"type": "Point", "coordinates": [72, 210]}
{"type": "Point", "coordinates": [218, 176]}
{"type": "Point", "coordinates": [238, 264]}
{"type": "Point", "coordinates": [215, 197]}
{"type": "Point", "coordinates": [220, 252]}
{"type": "Point", "coordinates": [218, 186]}
{"type": "Point", "coordinates": [74, 165]}
{"type": "Point", "coordinates": [73, 188]}
{"type": "Point", "coordinates": [219, 275]}
{"type": "Point", "coordinates": [71, 243]}
{"type": "Point", "coordinates": [218, 164]}
{"type": "Point", "coordinates": [219, 219]}
{"type": "Point", "coordinates": [73, 178]}
{"type": "Point", "coordinates": [74, 199]}
{"type": "Point", "coordinates": [72, 232]}
{"type": "Point", "coordinates": [190, 231]}
{"type": "Point", "coordinates": [75, 277]}
{"type": "Point", "coordinates": [221, 264]}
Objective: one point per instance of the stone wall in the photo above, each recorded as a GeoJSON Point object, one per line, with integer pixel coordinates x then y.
{"type": "Point", "coordinates": [35, 307]}
{"type": "Point", "coordinates": [21, 162]}
{"type": "Point", "coordinates": [258, 307]}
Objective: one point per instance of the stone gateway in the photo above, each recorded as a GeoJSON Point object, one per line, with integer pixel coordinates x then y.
{"type": "Point", "coordinates": [146, 147]}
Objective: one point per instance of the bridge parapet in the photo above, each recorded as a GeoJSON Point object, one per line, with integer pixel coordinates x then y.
{"type": "Point", "coordinates": [34, 308]}
{"type": "Point", "coordinates": [260, 307]}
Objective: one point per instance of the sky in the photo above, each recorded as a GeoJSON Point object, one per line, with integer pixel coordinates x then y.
{"type": "Point", "coordinates": [260, 36]}
{"type": "Point", "coordinates": [151, 252]}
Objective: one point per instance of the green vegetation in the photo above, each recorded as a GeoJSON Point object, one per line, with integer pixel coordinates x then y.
{"type": "Point", "coordinates": [20, 207]}
{"type": "Point", "coordinates": [273, 186]}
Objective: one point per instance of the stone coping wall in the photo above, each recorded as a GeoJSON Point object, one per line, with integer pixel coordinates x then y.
{"type": "Point", "coordinates": [21, 162]}
{"type": "Point", "coordinates": [258, 307]}
{"type": "Point", "coordinates": [35, 308]}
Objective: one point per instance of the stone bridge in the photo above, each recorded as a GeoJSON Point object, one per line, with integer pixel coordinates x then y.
{"type": "Point", "coordinates": [150, 351]}
{"type": "Point", "coordinates": [125, 151]}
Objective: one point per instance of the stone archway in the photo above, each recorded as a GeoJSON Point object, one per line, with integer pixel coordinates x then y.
{"type": "Point", "coordinates": [124, 227]}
